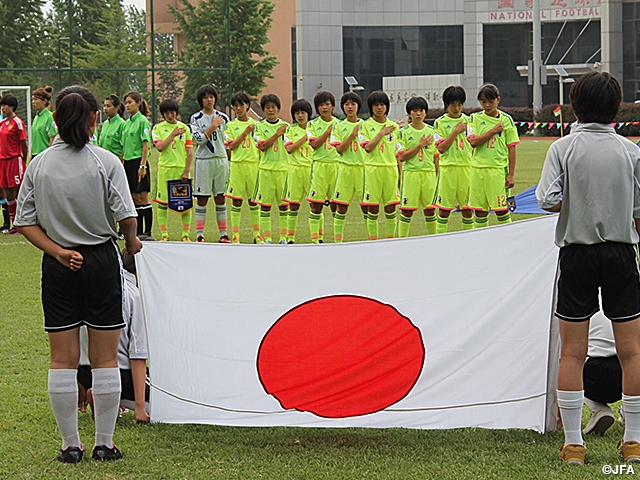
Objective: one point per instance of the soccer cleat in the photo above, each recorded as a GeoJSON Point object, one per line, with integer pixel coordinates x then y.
{"type": "Point", "coordinates": [4, 230]}
{"type": "Point", "coordinates": [224, 239]}
{"type": "Point", "coordinates": [630, 451]}
{"type": "Point", "coordinates": [599, 422]}
{"type": "Point", "coordinates": [235, 238]}
{"type": "Point", "coordinates": [258, 239]}
{"type": "Point", "coordinates": [164, 238]}
{"type": "Point", "coordinates": [200, 239]}
{"type": "Point", "coordinates": [268, 242]}
{"type": "Point", "coordinates": [573, 454]}
{"type": "Point", "coordinates": [103, 453]}
{"type": "Point", "coordinates": [320, 241]}
{"type": "Point", "coordinates": [291, 242]}
{"type": "Point", "coordinates": [71, 455]}
{"type": "Point", "coordinates": [185, 238]}
{"type": "Point", "coordinates": [282, 242]}
{"type": "Point", "coordinates": [12, 231]}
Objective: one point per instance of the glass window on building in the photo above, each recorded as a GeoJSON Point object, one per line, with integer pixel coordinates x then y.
{"type": "Point", "coordinates": [370, 53]}
{"type": "Point", "coordinates": [631, 52]}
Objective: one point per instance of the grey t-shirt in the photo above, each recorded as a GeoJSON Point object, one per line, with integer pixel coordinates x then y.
{"type": "Point", "coordinates": [595, 172]}
{"type": "Point", "coordinates": [76, 196]}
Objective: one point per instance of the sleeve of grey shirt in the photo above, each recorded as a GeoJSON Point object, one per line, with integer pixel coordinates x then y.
{"type": "Point", "coordinates": [549, 190]}
{"type": "Point", "coordinates": [636, 180]}
{"type": "Point", "coordinates": [26, 212]}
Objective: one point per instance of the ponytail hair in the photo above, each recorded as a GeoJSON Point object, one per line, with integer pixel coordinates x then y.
{"type": "Point", "coordinates": [136, 97]}
{"type": "Point", "coordinates": [43, 94]}
{"type": "Point", "coordinates": [74, 107]}
{"type": "Point", "coordinates": [116, 103]}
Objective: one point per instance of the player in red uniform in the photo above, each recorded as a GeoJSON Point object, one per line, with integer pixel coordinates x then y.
{"type": "Point", "coordinates": [13, 154]}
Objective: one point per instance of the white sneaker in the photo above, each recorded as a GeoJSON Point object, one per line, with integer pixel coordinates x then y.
{"type": "Point", "coordinates": [599, 422]}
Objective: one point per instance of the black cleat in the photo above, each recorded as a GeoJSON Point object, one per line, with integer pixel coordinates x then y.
{"type": "Point", "coordinates": [103, 453]}
{"type": "Point", "coordinates": [70, 455]}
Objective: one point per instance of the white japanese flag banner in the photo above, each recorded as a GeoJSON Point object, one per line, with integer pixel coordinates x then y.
{"type": "Point", "coordinates": [443, 331]}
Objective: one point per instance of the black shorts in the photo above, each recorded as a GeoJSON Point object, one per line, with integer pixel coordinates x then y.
{"type": "Point", "coordinates": [602, 378]}
{"type": "Point", "coordinates": [131, 168]}
{"type": "Point", "coordinates": [85, 378]}
{"type": "Point", "coordinates": [91, 296]}
{"type": "Point", "coordinates": [609, 267]}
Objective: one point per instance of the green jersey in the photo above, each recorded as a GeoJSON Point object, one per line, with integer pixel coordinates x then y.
{"type": "Point", "coordinates": [384, 155]}
{"type": "Point", "coordinates": [355, 154]}
{"type": "Point", "coordinates": [326, 152]}
{"type": "Point", "coordinates": [408, 138]}
{"type": "Point", "coordinates": [175, 155]}
{"type": "Point", "coordinates": [111, 135]}
{"type": "Point", "coordinates": [136, 130]}
{"type": "Point", "coordinates": [246, 152]}
{"type": "Point", "coordinates": [494, 153]}
{"type": "Point", "coordinates": [459, 153]}
{"type": "Point", "coordinates": [276, 156]}
{"type": "Point", "coordinates": [302, 156]}
{"type": "Point", "coordinates": [43, 128]}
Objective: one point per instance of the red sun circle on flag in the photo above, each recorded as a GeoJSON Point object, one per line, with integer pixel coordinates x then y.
{"type": "Point", "coordinates": [341, 356]}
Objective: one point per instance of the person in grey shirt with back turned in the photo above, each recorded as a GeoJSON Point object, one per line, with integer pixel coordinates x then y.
{"type": "Point", "coordinates": [592, 178]}
{"type": "Point", "coordinates": [73, 195]}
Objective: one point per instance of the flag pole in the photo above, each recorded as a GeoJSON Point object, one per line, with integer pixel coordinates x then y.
{"type": "Point", "coordinates": [561, 125]}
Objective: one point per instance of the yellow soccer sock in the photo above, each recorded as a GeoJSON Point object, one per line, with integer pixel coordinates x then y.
{"type": "Point", "coordinates": [284, 224]}
{"type": "Point", "coordinates": [293, 225]}
{"type": "Point", "coordinates": [186, 223]}
{"type": "Point", "coordinates": [314, 226]}
{"type": "Point", "coordinates": [254, 212]}
{"type": "Point", "coordinates": [390, 225]}
{"type": "Point", "coordinates": [442, 224]}
{"type": "Point", "coordinates": [481, 222]}
{"type": "Point", "coordinates": [403, 227]}
{"type": "Point", "coordinates": [431, 224]}
{"type": "Point", "coordinates": [467, 223]}
{"type": "Point", "coordinates": [506, 218]}
{"type": "Point", "coordinates": [338, 227]}
{"type": "Point", "coordinates": [372, 226]}
{"type": "Point", "coordinates": [265, 225]}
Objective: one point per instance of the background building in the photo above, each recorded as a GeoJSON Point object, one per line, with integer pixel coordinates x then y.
{"type": "Point", "coordinates": [416, 47]}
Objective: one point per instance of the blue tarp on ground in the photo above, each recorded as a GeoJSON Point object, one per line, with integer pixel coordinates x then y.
{"type": "Point", "coordinates": [526, 202]}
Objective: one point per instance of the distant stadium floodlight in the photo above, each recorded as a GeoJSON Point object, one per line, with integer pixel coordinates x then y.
{"type": "Point", "coordinates": [561, 71]}
{"type": "Point", "coordinates": [353, 84]}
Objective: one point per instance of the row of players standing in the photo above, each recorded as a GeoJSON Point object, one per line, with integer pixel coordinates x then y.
{"type": "Point", "coordinates": [465, 162]}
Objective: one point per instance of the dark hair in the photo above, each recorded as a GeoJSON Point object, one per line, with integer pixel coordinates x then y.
{"type": "Point", "coordinates": [321, 97]}
{"type": "Point", "coordinates": [453, 94]}
{"type": "Point", "coordinates": [417, 103]}
{"type": "Point", "coordinates": [595, 97]}
{"type": "Point", "coordinates": [43, 94]}
{"type": "Point", "coordinates": [128, 260]}
{"type": "Point", "coordinates": [136, 97]}
{"type": "Point", "coordinates": [74, 107]}
{"type": "Point", "coordinates": [269, 98]}
{"type": "Point", "coordinates": [116, 103]}
{"type": "Point", "coordinates": [10, 101]}
{"type": "Point", "coordinates": [488, 91]}
{"type": "Point", "coordinates": [205, 90]}
{"type": "Point", "coordinates": [378, 97]}
{"type": "Point", "coordinates": [354, 97]}
{"type": "Point", "coordinates": [301, 105]}
{"type": "Point", "coordinates": [240, 98]}
{"type": "Point", "coordinates": [169, 105]}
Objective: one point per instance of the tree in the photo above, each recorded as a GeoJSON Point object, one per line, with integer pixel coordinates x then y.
{"type": "Point", "coordinates": [105, 35]}
{"type": "Point", "coordinates": [204, 28]}
{"type": "Point", "coordinates": [168, 81]}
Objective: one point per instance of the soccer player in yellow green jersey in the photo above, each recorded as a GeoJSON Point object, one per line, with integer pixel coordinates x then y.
{"type": "Point", "coordinates": [419, 157]}
{"type": "Point", "coordinates": [455, 159]}
{"type": "Point", "coordinates": [324, 170]}
{"type": "Point", "coordinates": [494, 137]}
{"type": "Point", "coordinates": [272, 171]}
{"type": "Point", "coordinates": [296, 141]}
{"type": "Point", "coordinates": [174, 142]}
{"type": "Point", "coordinates": [381, 168]}
{"type": "Point", "coordinates": [238, 138]}
{"type": "Point", "coordinates": [350, 179]}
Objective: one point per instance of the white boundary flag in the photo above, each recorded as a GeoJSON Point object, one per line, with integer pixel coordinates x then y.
{"type": "Point", "coordinates": [435, 332]}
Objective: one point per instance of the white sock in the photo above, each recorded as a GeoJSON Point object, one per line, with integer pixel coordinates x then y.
{"type": "Point", "coordinates": [596, 406]}
{"type": "Point", "coordinates": [63, 395]}
{"type": "Point", "coordinates": [570, 404]}
{"type": "Point", "coordinates": [106, 400]}
{"type": "Point", "coordinates": [631, 408]}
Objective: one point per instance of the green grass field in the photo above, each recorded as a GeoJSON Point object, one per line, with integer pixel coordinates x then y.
{"type": "Point", "coordinates": [29, 439]}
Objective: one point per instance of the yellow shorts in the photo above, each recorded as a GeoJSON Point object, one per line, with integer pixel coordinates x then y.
{"type": "Point", "coordinates": [453, 187]}
{"type": "Point", "coordinates": [380, 185]}
{"type": "Point", "coordinates": [488, 189]}
{"type": "Point", "coordinates": [418, 188]}
{"type": "Point", "coordinates": [242, 180]}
